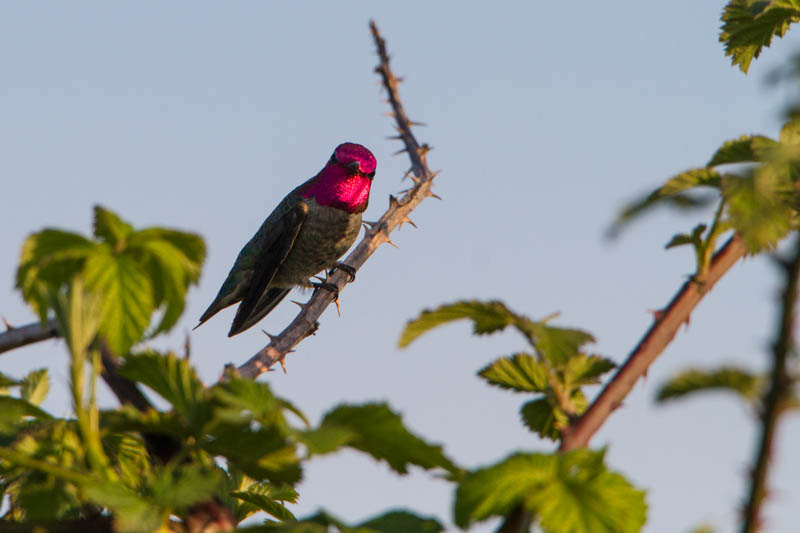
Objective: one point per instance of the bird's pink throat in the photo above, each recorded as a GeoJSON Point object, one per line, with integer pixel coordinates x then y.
{"type": "Point", "coordinates": [333, 187]}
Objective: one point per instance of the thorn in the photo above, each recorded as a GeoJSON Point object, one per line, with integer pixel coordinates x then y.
{"type": "Point", "coordinates": [400, 151]}
{"type": "Point", "coordinates": [282, 361]}
{"type": "Point", "coordinates": [271, 337]}
{"type": "Point", "coordinates": [400, 79]}
{"type": "Point", "coordinates": [658, 314]}
{"type": "Point", "coordinates": [688, 319]}
{"type": "Point", "coordinates": [425, 148]}
{"type": "Point", "coordinates": [338, 309]}
{"type": "Point", "coordinates": [187, 346]}
{"type": "Point", "coordinates": [9, 327]}
{"type": "Point", "coordinates": [415, 123]}
{"type": "Point", "coordinates": [302, 306]}
{"type": "Point", "coordinates": [389, 114]}
{"type": "Point", "coordinates": [388, 240]}
{"type": "Point", "coordinates": [368, 226]}
{"type": "Point", "coordinates": [393, 201]}
{"type": "Point", "coordinates": [433, 195]}
{"type": "Point", "coordinates": [407, 220]}
{"type": "Point", "coordinates": [394, 138]}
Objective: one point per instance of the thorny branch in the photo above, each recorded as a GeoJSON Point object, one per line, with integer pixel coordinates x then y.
{"type": "Point", "coordinates": [15, 337]}
{"type": "Point", "coordinates": [654, 341]}
{"type": "Point", "coordinates": [779, 391]}
{"type": "Point", "coordinates": [306, 321]}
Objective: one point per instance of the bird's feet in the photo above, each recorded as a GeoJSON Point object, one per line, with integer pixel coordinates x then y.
{"type": "Point", "coordinates": [351, 272]}
{"type": "Point", "coordinates": [334, 292]}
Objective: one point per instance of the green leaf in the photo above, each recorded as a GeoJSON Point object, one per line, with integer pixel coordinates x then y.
{"type": "Point", "coordinates": [173, 261]}
{"type": "Point", "coordinates": [587, 498]}
{"type": "Point", "coordinates": [544, 418]}
{"type": "Point", "coordinates": [759, 207]}
{"type": "Point", "coordinates": [496, 490]}
{"type": "Point", "coordinates": [402, 522]}
{"type": "Point", "coordinates": [695, 239]}
{"type": "Point", "coordinates": [132, 513]}
{"type": "Point", "coordinates": [585, 369]}
{"type": "Point", "coordinates": [251, 399]}
{"type": "Point", "coordinates": [263, 453]}
{"type": "Point", "coordinates": [734, 379]}
{"type": "Point", "coordinates": [110, 228]}
{"type": "Point", "coordinates": [49, 260]}
{"type": "Point", "coordinates": [520, 372]}
{"type": "Point", "coordinates": [748, 26]}
{"type": "Point", "coordinates": [185, 486]}
{"type": "Point", "coordinates": [325, 439]}
{"type": "Point", "coordinates": [487, 317]}
{"type": "Point", "coordinates": [173, 379]}
{"type": "Point", "coordinates": [672, 193]}
{"type": "Point", "coordinates": [745, 149]}
{"type": "Point", "coordinates": [35, 386]}
{"type": "Point", "coordinates": [13, 411]}
{"type": "Point", "coordinates": [127, 296]}
{"type": "Point", "coordinates": [261, 500]}
{"type": "Point", "coordinates": [559, 345]}
{"type": "Point", "coordinates": [691, 179]}
{"type": "Point", "coordinates": [571, 492]}
{"type": "Point", "coordinates": [381, 433]}
{"type": "Point", "coordinates": [790, 132]}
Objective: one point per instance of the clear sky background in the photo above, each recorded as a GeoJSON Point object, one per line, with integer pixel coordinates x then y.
{"type": "Point", "coordinates": [545, 117]}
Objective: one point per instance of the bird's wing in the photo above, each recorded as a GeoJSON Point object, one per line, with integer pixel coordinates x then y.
{"type": "Point", "coordinates": [276, 246]}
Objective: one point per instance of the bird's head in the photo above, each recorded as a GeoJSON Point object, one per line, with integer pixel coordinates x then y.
{"type": "Point", "coordinates": [355, 159]}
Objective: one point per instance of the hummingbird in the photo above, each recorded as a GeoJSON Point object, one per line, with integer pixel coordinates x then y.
{"type": "Point", "coordinates": [309, 230]}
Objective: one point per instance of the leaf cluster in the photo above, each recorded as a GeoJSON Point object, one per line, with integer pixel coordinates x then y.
{"type": "Point", "coordinates": [137, 272]}
{"type": "Point", "coordinates": [572, 492]}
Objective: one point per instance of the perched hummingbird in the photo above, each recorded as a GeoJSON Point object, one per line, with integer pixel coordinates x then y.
{"type": "Point", "coordinates": [309, 230]}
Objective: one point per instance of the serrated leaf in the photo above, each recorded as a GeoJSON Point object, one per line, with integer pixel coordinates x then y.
{"type": "Point", "coordinates": [520, 372]}
{"type": "Point", "coordinates": [173, 260]}
{"type": "Point", "coordinates": [544, 418]}
{"type": "Point", "coordinates": [569, 493]}
{"type": "Point", "coordinates": [173, 379]}
{"type": "Point", "coordinates": [496, 490]}
{"type": "Point", "coordinates": [745, 149]}
{"type": "Point", "coordinates": [559, 345]}
{"type": "Point", "coordinates": [127, 297]}
{"type": "Point", "coordinates": [748, 27]}
{"type": "Point", "coordinates": [250, 398]}
{"type": "Point", "coordinates": [587, 498]}
{"type": "Point", "coordinates": [734, 379]}
{"type": "Point", "coordinates": [109, 227]}
{"type": "Point", "coordinates": [184, 486]}
{"type": "Point", "coordinates": [759, 207]}
{"type": "Point", "coordinates": [381, 433]}
{"type": "Point", "coordinates": [35, 386]}
{"type": "Point", "coordinates": [325, 439]}
{"type": "Point", "coordinates": [13, 411]}
{"type": "Point", "coordinates": [672, 193]}
{"type": "Point", "coordinates": [263, 502]}
{"type": "Point", "coordinates": [49, 259]}
{"type": "Point", "coordinates": [263, 453]}
{"type": "Point", "coordinates": [132, 513]}
{"type": "Point", "coordinates": [487, 317]}
{"type": "Point", "coordinates": [585, 369]}
{"type": "Point", "coordinates": [402, 522]}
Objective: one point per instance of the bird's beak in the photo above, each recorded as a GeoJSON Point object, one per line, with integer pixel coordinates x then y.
{"type": "Point", "coordinates": [354, 166]}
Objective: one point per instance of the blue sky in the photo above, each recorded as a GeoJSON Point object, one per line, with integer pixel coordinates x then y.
{"type": "Point", "coordinates": [545, 118]}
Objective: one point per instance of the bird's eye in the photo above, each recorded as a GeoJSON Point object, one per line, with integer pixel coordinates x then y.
{"type": "Point", "coordinates": [333, 158]}
{"type": "Point", "coordinates": [371, 174]}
